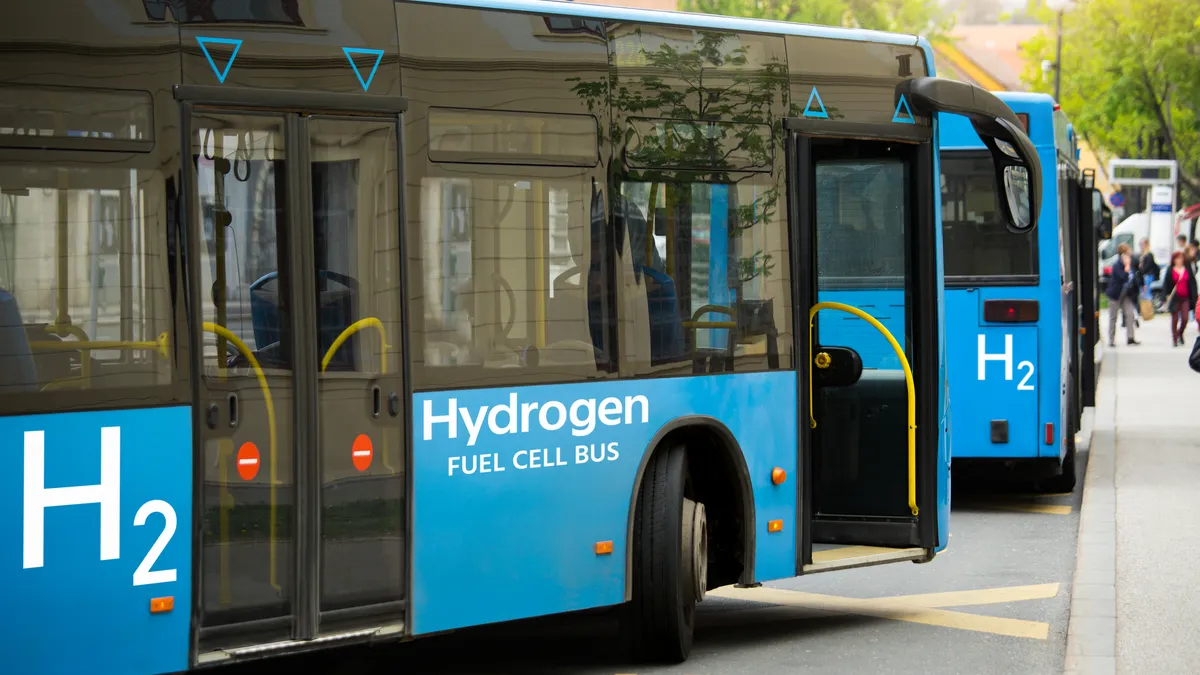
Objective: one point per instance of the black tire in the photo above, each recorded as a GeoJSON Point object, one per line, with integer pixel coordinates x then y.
{"type": "Point", "coordinates": [661, 618]}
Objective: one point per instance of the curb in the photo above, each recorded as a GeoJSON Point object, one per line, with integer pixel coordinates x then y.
{"type": "Point", "coordinates": [1092, 627]}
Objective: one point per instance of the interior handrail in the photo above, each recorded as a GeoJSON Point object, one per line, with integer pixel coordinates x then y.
{"type": "Point", "coordinates": [908, 382]}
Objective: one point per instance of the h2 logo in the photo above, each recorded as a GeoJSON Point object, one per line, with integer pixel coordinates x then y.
{"type": "Point", "coordinates": [107, 493]}
{"type": "Point", "coordinates": [1007, 358]}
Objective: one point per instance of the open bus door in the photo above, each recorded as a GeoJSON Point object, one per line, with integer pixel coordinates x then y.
{"type": "Point", "coordinates": [1090, 225]}
{"type": "Point", "coordinates": [869, 332]}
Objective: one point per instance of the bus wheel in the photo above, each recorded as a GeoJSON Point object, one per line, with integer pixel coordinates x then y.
{"type": "Point", "coordinates": [670, 561]}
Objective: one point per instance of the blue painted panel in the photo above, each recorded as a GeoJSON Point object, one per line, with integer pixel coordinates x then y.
{"type": "Point", "coordinates": [1005, 392]}
{"type": "Point", "coordinates": [846, 330]}
{"type": "Point", "coordinates": [107, 490]}
{"type": "Point", "coordinates": [514, 538]}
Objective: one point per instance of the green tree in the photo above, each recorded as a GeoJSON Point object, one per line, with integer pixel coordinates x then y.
{"type": "Point", "coordinates": [1130, 79]}
{"type": "Point", "coordinates": [918, 17]}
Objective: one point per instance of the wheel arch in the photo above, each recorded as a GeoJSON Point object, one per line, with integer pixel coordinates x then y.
{"type": "Point", "coordinates": [725, 450]}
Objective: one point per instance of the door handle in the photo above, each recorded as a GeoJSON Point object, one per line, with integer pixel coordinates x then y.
{"type": "Point", "coordinates": [375, 401]}
{"type": "Point", "coordinates": [233, 410]}
{"type": "Point", "coordinates": [211, 415]}
{"type": "Point", "coordinates": [393, 404]}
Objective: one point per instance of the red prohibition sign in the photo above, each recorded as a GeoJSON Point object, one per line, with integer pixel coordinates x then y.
{"type": "Point", "coordinates": [248, 461]}
{"type": "Point", "coordinates": [362, 452]}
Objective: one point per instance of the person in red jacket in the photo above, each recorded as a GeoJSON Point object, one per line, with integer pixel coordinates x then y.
{"type": "Point", "coordinates": [1179, 283]}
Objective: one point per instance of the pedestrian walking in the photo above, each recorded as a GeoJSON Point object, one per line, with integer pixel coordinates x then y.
{"type": "Point", "coordinates": [1122, 292]}
{"type": "Point", "coordinates": [1180, 285]}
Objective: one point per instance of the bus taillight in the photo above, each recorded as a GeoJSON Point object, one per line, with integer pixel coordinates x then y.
{"type": "Point", "coordinates": [1010, 311]}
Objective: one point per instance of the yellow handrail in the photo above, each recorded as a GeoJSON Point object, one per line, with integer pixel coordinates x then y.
{"type": "Point", "coordinates": [908, 381]}
{"type": "Point", "coordinates": [161, 346]}
{"type": "Point", "coordinates": [351, 330]}
{"type": "Point", "coordinates": [232, 338]}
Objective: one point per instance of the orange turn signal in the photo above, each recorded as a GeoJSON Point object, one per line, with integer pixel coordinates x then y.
{"type": "Point", "coordinates": [160, 605]}
{"type": "Point", "coordinates": [603, 547]}
{"type": "Point", "coordinates": [774, 526]}
{"type": "Point", "coordinates": [778, 475]}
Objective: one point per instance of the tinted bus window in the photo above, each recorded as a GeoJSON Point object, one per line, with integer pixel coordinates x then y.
{"type": "Point", "coordinates": [860, 222]}
{"type": "Point", "coordinates": [84, 296]}
{"type": "Point", "coordinates": [974, 239]}
{"type": "Point", "coordinates": [708, 266]}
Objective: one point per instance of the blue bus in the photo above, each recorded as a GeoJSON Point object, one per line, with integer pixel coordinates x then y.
{"type": "Point", "coordinates": [329, 323]}
{"type": "Point", "coordinates": [1019, 347]}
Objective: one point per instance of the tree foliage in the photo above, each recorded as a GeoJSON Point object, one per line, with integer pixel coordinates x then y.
{"type": "Point", "coordinates": [1130, 78]}
{"type": "Point", "coordinates": [919, 17]}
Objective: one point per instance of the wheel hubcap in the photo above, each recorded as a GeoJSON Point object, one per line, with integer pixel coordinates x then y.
{"type": "Point", "coordinates": [695, 545]}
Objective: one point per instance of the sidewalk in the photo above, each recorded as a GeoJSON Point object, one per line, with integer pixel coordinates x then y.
{"type": "Point", "coordinates": [1135, 603]}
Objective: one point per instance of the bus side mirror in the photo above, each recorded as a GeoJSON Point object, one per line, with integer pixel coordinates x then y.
{"type": "Point", "coordinates": [1018, 171]}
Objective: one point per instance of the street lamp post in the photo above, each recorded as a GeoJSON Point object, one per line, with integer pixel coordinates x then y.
{"type": "Point", "coordinates": [1059, 6]}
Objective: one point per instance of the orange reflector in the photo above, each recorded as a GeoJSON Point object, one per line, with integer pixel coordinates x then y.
{"type": "Point", "coordinates": [160, 605]}
{"type": "Point", "coordinates": [774, 526]}
{"type": "Point", "coordinates": [603, 547]}
{"type": "Point", "coordinates": [778, 475]}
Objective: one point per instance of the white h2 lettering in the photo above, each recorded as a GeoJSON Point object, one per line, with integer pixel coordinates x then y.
{"type": "Point", "coordinates": [1006, 357]}
{"type": "Point", "coordinates": [106, 493]}
{"type": "Point", "coordinates": [38, 497]}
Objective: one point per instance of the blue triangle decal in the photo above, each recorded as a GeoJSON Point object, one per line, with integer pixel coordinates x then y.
{"type": "Point", "coordinates": [903, 103]}
{"type": "Point", "coordinates": [221, 73]}
{"type": "Point", "coordinates": [809, 112]}
{"type": "Point", "coordinates": [351, 52]}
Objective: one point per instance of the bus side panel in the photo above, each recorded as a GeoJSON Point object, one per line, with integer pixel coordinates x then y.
{"type": "Point", "coordinates": [1008, 390]}
{"type": "Point", "coordinates": [103, 505]}
{"type": "Point", "coordinates": [514, 487]}
{"type": "Point", "coordinates": [842, 329]}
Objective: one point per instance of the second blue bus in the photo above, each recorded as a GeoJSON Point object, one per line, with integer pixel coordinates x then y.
{"type": "Point", "coordinates": [1015, 331]}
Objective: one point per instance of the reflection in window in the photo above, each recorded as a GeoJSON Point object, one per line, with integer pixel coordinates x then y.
{"type": "Point", "coordinates": [239, 175]}
{"type": "Point", "coordinates": [512, 283]}
{"type": "Point", "coordinates": [975, 241]}
{"type": "Point", "coordinates": [710, 276]}
{"type": "Point", "coordinates": [861, 218]}
{"type": "Point", "coordinates": [82, 261]}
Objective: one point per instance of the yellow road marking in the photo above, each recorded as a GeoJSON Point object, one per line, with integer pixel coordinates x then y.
{"type": "Point", "coordinates": [921, 609]}
{"type": "Point", "coordinates": [1052, 509]}
{"type": "Point", "coordinates": [832, 554]}
{"type": "Point", "coordinates": [986, 596]}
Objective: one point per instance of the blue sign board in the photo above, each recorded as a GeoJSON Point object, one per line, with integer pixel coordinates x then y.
{"type": "Point", "coordinates": [99, 579]}
{"type": "Point", "coordinates": [1116, 199]}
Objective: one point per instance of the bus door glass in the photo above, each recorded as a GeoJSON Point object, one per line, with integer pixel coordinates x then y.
{"type": "Point", "coordinates": [295, 224]}
{"type": "Point", "coordinates": [1088, 225]}
{"type": "Point", "coordinates": [873, 346]}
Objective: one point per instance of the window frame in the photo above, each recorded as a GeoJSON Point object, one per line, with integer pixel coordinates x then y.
{"type": "Point", "coordinates": [178, 390]}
